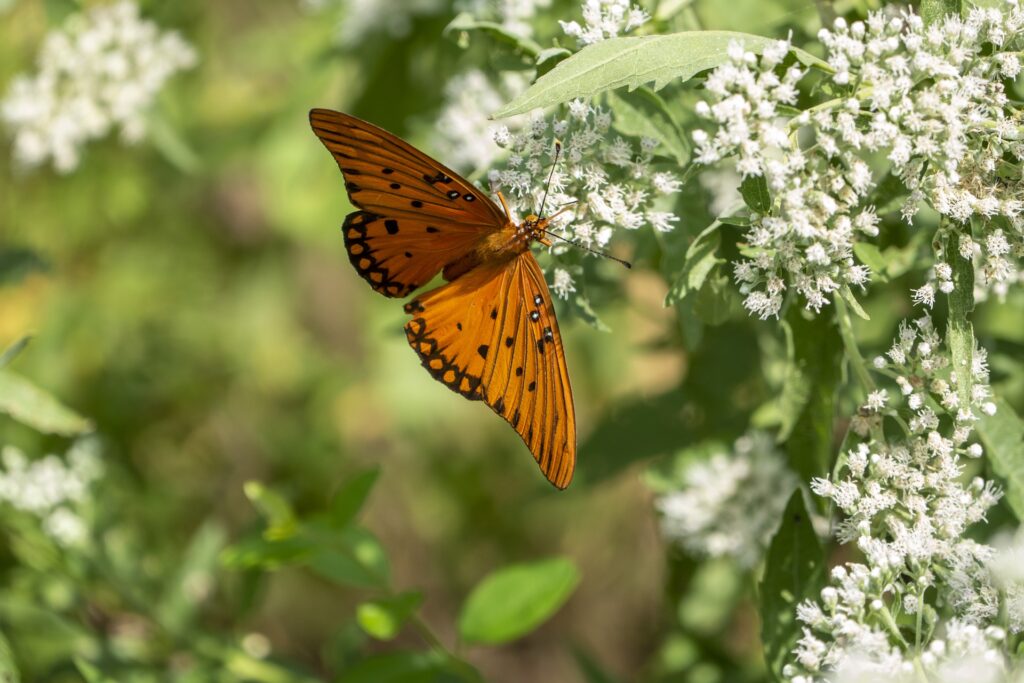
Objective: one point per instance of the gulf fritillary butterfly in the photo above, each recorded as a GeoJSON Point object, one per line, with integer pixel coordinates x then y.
{"type": "Point", "coordinates": [490, 334]}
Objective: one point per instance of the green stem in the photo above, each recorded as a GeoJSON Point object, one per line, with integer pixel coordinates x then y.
{"type": "Point", "coordinates": [959, 331]}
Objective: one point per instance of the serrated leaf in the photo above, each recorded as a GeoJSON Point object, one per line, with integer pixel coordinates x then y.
{"type": "Point", "coordinates": [1003, 437]}
{"type": "Point", "coordinates": [642, 113]}
{"type": "Point", "coordinates": [35, 408]}
{"type": "Point", "coordinates": [383, 619]}
{"type": "Point", "coordinates": [513, 601]}
{"type": "Point", "coordinates": [349, 499]}
{"type": "Point", "coordinates": [754, 190]}
{"type": "Point", "coordinates": [465, 22]}
{"type": "Point", "coordinates": [632, 62]}
{"type": "Point", "coordinates": [794, 571]}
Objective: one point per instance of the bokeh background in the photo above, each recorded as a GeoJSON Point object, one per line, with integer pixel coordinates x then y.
{"type": "Point", "coordinates": [190, 295]}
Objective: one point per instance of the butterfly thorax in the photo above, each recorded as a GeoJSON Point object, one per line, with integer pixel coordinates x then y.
{"type": "Point", "coordinates": [500, 246]}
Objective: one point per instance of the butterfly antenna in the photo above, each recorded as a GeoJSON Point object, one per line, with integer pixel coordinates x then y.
{"type": "Point", "coordinates": [558, 153]}
{"type": "Point", "coordinates": [592, 251]}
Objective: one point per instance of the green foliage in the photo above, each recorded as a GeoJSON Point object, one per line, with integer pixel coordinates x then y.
{"type": "Point", "coordinates": [30, 405]}
{"type": "Point", "coordinates": [515, 600]}
{"type": "Point", "coordinates": [933, 10]}
{"type": "Point", "coordinates": [794, 571]}
{"type": "Point", "coordinates": [634, 62]}
{"type": "Point", "coordinates": [754, 190]}
{"type": "Point", "coordinates": [1003, 436]}
{"type": "Point", "coordinates": [643, 113]}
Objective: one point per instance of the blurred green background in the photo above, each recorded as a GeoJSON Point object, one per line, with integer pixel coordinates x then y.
{"type": "Point", "coordinates": [191, 296]}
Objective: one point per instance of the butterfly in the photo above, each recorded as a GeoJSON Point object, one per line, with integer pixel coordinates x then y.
{"type": "Point", "coordinates": [490, 333]}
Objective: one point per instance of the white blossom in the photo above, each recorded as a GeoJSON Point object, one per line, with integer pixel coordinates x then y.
{"type": "Point", "coordinates": [101, 72]}
{"type": "Point", "coordinates": [603, 19]}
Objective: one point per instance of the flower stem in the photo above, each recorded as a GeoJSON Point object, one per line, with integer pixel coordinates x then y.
{"type": "Point", "coordinates": [853, 354]}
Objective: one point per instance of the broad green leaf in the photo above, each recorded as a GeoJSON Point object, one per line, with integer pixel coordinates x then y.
{"type": "Point", "coordinates": [13, 350]}
{"type": "Point", "coordinates": [754, 190]}
{"type": "Point", "coordinates": [31, 406]}
{"type": "Point", "coordinates": [817, 358]}
{"type": "Point", "coordinates": [349, 500]}
{"type": "Point", "coordinates": [513, 601]}
{"type": "Point", "coordinates": [934, 10]}
{"type": "Point", "coordinates": [352, 557]}
{"type": "Point", "coordinates": [632, 62]}
{"type": "Point", "coordinates": [794, 570]}
{"type": "Point", "coordinates": [642, 113]}
{"type": "Point", "coordinates": [383, 619]}
{"type": "Point", "coordinates": [281, 521]}
{"type": "Point", "coordinates": [464, 23]}
{"type": "Point", "coordinates": [959, 331]}
{"type": "Point", "coordinates": [1003, 437]}
{"type": "Point", "coordinates": [871, 256]}
{"type": "Point", "coordinates": [698, 263]}
{"type": "Point", "coordinates": [8, 669]}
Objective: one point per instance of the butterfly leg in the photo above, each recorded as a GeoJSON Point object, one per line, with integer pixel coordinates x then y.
{"type": "Point", "coordinates": [504, 205]}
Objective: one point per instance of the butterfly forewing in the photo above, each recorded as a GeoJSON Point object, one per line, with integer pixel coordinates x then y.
{"type": "Point", "coordinates": [417, 215]}
{"type": "Point", "coordinates": [491, 335]}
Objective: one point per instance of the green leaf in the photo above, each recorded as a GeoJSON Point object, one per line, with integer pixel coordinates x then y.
{"type": "Point", "coordinates": [632, 62]}
{"type": "Point", "coordinates": [464, 23]}
{"type": "Point", "coordinates": [383, 619]}
{"type": "Point", "coordinates": [642, 113]}
{"type": "Point", "coordinates": [13, 350]}
{"type": "Point", "coordinates": [1003, 437]}
{"type": "Point", "coordinates": [850, 299]}
{"type": "Point", "coordinates": [59, 10]}
{"type": "Point", "coordinates": [8, 669]}
{"type": "Point", "coordinates": [31, 406]}
{"type": "Point", "coordinates": [717, 301]}
{"type": "Point", "coordinates": [171, 144]}
{"type": "Point", "coordinates": [754, 190]}
{"type": "Point", "coordinates": [513, 601]}
{"type": "Point", "coordinates": [281, 521]}
{"type": "Point", "coordinates": [178, 608]}
{"type": "Point", "coordinates": [817, 358]}
{"type": "Point", "coordinates": [959, 331]}
{"type": "Point", "coordinates": [259, 552]}
{"type": "Point", "coordinates": [794, 570]}
{"type": "Point", "coordinates": [349, 500]}
{"type": "Point", "coordinates": [354, 557]}
{"type": "Point", "coordinates": [698, 263]}
{"type": "Point", "coordinates": [934, 10]}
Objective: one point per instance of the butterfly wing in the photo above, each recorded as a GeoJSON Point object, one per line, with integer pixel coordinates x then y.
{"type": "Point", "coordinates": [416, 214]}
{"type": "Point", "coordinates": [491, 335]}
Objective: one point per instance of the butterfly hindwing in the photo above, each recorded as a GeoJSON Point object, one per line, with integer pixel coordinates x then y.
{"type": "Point", "coordinates": [491, 335]}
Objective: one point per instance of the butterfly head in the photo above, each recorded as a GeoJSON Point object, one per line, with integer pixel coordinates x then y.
{"type": "Point", "coordinates": [535, 228]}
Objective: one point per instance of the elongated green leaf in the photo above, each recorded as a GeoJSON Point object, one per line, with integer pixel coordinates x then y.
{"type": "Point", "coordinates": [794, 571]}
{"type": "Point", "coordinates": [642, 113]}
{"type": "Point", "coordinates": [631, 62]}
{"type": "Point", "coordinates": [465, 22]}
{"type": "Point", "coordinates": [817, 352]}
{"type": "Point", "coordinates": [934, 10]}
{"type": "Point", "coordinates": [179, 607]}
{"type": "Point", "coordinates": [349, 500]}
{"type": "Point", "coordinates": [354, 557]}
{"type": "Point", "coordinates": [281, 520]}
{"type": "Point", "coordinates": [754, 190]}
{"type": "Point", "coordinates": [513, 601]}
{"type": "Point", "coordinates": [959, 331]}
{"type": "Point", "coordinates": [383, 619]}
{"type": "Point", "coordinates": [31, 406]}
{"type": "Point", "coordinates": [11, 352]}
{"type": "Point", "coordinates": [1003, 436]}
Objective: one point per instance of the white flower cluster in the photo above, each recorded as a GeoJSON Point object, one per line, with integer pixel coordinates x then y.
{"type": "Point", "coordinates": [603, 178]}
{"type": "Point", "coordinates": [930, 99]}
{"type": "Point", "coordinates": [730, 504]}
{"type": "Point", "coordinates": [515, 16]}
{"type": "Point", "coordinates": [465, 131]}
{"type": "Point", "coordinates": [50, 488]}
{"type": "Point", "coordinates": [100, 72]}
{"type": "Point", "coordinates": [361, 19]}
{"type": "Point", "coordinates": [603, 19]}
{"type": "Point", "coordinates": [907, 510]}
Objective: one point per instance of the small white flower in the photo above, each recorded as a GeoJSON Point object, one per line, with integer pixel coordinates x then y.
{"type": "Point", "coordinates": [563, 283]}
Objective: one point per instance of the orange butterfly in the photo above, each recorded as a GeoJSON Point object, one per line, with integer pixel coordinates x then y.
{"type": "Point", "coordinates": [490, 334]}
